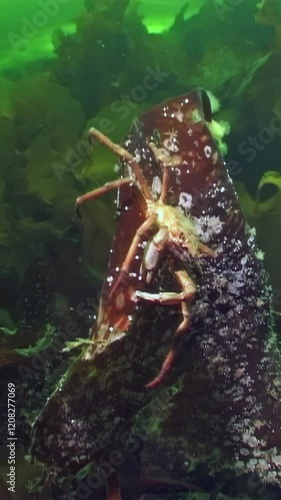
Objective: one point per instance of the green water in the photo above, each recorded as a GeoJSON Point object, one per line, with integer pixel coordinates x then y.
{"type": "Point", "coordinates": [26, 29]}
{"type": "Point", "coordinates": [28, 23]}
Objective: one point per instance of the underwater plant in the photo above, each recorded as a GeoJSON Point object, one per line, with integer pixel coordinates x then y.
{"type": "Point", "coordinates": [269, 13]}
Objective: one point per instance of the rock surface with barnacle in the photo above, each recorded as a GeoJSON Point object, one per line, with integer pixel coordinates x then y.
{"type": "Point", "coordinates": [228, 361]}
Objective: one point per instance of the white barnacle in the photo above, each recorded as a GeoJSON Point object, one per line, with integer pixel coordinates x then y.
{"type": "Point", "coordinates": [214, 225]}
{"type": "Point", "coordinates": [250, 440]}
{"type": "Point", "coordinates": [207, 151]}
{"type": "Point", "coordinates": [263, 464]}
{"type": "Point", "coordinates": [202, 308]}
{"type": "Point", "coordinates": [253, 462]}
{"type": "Point", "coordinates": [207, 227]}
{"type": "Point", "coordinates": [277, 460]}
{"type": "Point", "coordinates": [224, 370]}
{"type": "Point", "coordinates": [234, 286]}
{"type": "Point", "coordinates": [239, 464]}
{"type": "Point", "coordinates": [244, 260]}
{"type": "Point", "coordinates": [185, 200]}
{"type": "Point", "coordinates": [223, 332]}
{"type": "Point", "coordinates": [239, 308]}
{"type": "Point", "coordinates": [220, 282]}
{"type": "Point", "coordinates": [260, 302]}
{"type": "Point", "coordinates": [247, 381]}
{"type": "Point", "coordinates": [239, 372]}
{"type": "Point", "coordinates": [218, 359]}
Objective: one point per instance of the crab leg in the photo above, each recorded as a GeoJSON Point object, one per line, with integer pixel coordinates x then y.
{"type": "Point", "coordinates": [113, 488]}
{"type": "Point", "coordinates": [132, 251]}
{"type": "Point", "coordinates": [171, 298]}
{"type": "Point", "coordinates": [165, 368]}
{"type": "Point", "coordinates": [205, 250]}
{"type": "Point", "coordinates": [165, 184]}
{"type": "Point", "coordinates": [167, 161]}
{"type": "Point", "coordinates": [161, 158]}
{"type": "Point", "coordinates": [152, 252]}
{"type": "Point", "coordinates": [96, 193]}
{"type": "Point", "coordinates": [125, 155]}
{"type": "Point", "coordinates": [171, 356]}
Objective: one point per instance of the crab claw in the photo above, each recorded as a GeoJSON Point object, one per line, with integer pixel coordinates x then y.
{"type": "Point", "coordinates": [165, 369]}
{"type": "Point", "coordinates": [113, 487]}
{"type": "Point", "coordinates": [152, 297]}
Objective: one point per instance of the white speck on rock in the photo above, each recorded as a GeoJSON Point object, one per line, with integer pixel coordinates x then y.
{"type": "Point", "coordinates": [185, 200]}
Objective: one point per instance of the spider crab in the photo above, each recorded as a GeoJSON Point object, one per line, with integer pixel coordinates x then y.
{"type": "Point", "coordinates": [166, 223]}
